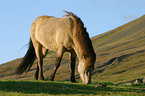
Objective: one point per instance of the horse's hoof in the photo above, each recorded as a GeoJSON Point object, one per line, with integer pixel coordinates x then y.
{"type": "Point", "coordinates": [73, 81]}
{"type": "Point", "coordinates": [36, 78]}
{"type": "Point", "coordinates": [42, 78]}
{"type": "Point", "coordinates": [51, 80]}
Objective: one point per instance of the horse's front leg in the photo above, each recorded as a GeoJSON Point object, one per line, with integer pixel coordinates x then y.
{"type": "Point", "coordinates": [57, 62]}
{"type": "Point", "coordinates": [72, 66]}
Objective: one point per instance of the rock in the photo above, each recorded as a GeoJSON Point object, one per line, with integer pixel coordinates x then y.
{"type": "Point", "coordinates": [143, 89]}
{"type": "Point", "coordinates": [138, 81]}
{"type": "Point", "coordinates": [143, 81]}
{"type": "Point", "coordinates": [101, 85]}
{"type": "Point", "coordinates": [128, 83]}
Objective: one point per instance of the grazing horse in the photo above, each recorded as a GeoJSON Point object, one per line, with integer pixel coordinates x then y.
{"type": "Point", "coordinates": [66, 34]}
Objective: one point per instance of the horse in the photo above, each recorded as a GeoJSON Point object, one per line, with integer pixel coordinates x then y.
{"type": "Point", "coordinates": [66, 34]}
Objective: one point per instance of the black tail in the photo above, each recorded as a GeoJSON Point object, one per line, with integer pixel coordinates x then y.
{"type": "Point", "coordinates": [28, 59]}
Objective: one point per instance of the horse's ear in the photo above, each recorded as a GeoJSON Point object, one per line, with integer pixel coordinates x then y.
{"type": "Point", "coordinates": [68, 13]}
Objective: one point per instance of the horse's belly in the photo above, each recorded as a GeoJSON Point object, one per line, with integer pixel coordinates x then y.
{"type": "Point", "coordinates": [50, 46]}
{"type": "Point", "coordinates": [54, 43]}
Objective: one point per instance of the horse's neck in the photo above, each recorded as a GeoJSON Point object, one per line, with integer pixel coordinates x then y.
{"type": "Point", "coordinates": [79, 53]}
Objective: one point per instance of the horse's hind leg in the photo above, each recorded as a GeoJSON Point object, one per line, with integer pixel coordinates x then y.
{"type": "Point", "coordinates": [37, 71]}
{"type": "Point", "coordinates": [44, 53]}
{"type": "Point", "coordinates": [57, 62]}
{"type": "Point", "coordinates": [38, 50]}
{"type": "Point", "coordinates": [72, 66]}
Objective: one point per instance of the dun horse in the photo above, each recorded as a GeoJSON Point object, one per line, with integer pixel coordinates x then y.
{"type": "Point", "coordinates": [66, 34]}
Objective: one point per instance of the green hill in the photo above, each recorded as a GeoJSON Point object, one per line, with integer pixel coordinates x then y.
{"type": "Point", "coordinates": [120, 57]}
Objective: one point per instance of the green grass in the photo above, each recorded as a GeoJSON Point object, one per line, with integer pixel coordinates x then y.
{"type": "Point", "coordinates": [45, 88]}
{"type": "Point", "coordinates": [124, 40]}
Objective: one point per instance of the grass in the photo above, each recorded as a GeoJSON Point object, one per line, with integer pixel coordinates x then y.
{"type": "Point", "coordinates": [129, 69]}
{"type": "Point", "coordinates": [45, 88]}
{"type": "Point", "coordinates": [124, 40]}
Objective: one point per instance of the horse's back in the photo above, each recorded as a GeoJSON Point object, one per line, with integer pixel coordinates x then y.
{"type": "Point", "coordinates": [53, 32]}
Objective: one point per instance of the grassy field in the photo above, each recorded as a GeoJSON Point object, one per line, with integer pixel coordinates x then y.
{"type": "Point", "coordinates": [120, 58]}
{"type": "Point", "coordinates": [48, 88]}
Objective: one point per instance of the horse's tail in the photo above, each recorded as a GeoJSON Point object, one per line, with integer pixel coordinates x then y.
{"type": "Point", "coordinates": [28, 60]}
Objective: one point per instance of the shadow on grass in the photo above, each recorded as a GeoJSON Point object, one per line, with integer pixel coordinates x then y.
{"type": "Point", "coordinates": [55, 88]}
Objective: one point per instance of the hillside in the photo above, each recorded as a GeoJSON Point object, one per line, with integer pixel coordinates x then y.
{"type": "Point", "coordinates": [120, 57]}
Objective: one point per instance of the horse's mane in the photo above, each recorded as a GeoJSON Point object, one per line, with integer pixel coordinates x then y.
{"type": "Point", "coordinates": [82, 37]}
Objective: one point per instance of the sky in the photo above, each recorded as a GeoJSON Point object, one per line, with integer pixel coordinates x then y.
{"type": "Point", "coordinates": [99, 16]}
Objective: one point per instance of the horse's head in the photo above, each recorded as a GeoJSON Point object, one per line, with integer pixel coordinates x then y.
{"type": "Point", "coordinates": [85, 68]}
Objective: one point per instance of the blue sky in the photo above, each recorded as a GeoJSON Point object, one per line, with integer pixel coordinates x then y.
{"type": "Point", "coordinates": [99, 16]}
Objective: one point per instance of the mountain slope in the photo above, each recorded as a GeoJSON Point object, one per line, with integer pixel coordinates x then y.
{"type": "Point", "coordinates": [120, 51]}
{"type": "Point", "coordinates": [120, 57]}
